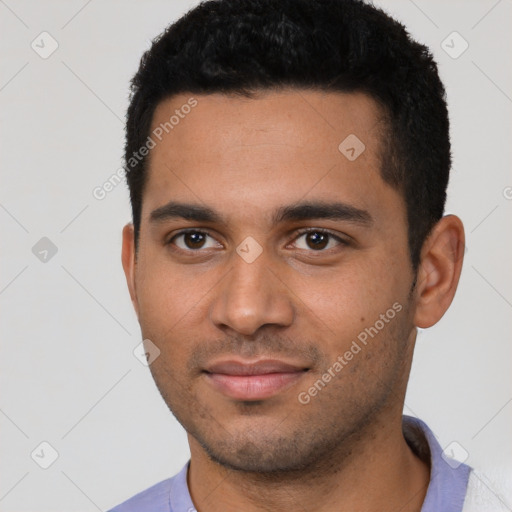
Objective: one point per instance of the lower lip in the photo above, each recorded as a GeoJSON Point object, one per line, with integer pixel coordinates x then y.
{"type": "Point", "coordinates": [253, 387]}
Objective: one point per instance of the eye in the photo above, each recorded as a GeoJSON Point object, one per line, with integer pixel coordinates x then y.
{"type": "Point", "coordinates": [191, 240]}
{"type": "Point", "coordinates": [315, 240]}
{"type": "Point", "coordinates": [319, 239]}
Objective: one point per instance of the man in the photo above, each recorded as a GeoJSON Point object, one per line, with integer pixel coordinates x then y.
{"type": "Point", "coordinates": [287, 163]}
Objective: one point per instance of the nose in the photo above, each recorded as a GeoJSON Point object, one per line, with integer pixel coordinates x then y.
{"type": "Point", "coordinates": [252, 295]}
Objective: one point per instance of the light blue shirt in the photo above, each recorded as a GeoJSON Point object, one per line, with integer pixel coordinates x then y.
{"type": "Point", "coordinates": [446, 491]}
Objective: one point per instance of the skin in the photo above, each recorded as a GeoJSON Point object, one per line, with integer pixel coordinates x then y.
{"type": "Point", "coordinates": [344, 450]}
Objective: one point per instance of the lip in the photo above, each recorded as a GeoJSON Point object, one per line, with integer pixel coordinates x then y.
{"type": "Point", "coordinates": [253, 380]}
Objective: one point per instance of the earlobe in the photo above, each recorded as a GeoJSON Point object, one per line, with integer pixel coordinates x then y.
{"type": "Point", "coordinates": [128, 261]}
{"type": "Point", "coordinates": [439, 270]}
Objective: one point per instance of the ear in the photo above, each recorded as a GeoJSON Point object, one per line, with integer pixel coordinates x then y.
{"type": "Point", "coordinates": [439, 271]}
{"type": "Point", "coordinates": [128, 260]}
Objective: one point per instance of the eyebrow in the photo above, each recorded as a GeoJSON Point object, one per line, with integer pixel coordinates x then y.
{"type": "Point", "coordinates": [306, 210]}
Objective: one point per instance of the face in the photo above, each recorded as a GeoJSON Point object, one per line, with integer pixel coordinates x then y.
{"type": "Point", "coordinates": [273, 275]}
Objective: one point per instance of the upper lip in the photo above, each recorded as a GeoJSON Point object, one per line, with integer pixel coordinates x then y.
{"type": "Point", "coordinates": [264, 366]}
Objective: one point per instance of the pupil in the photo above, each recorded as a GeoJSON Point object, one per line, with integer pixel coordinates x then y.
{"type": "Point", "coordinates": [316, 237]}
{"type": "Point", "coordinates": [195, 237]}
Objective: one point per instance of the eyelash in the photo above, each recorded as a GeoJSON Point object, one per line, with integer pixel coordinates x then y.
{"type": "Point", "coordinates": [300, 233]}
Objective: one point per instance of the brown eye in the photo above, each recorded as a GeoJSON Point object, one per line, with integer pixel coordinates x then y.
{"type": "Point", "coordinates": [194, 240]}
{"type": "Point", "coordinates": [318, 240]}
{"type": "Point", "coordinates": [191, 240]}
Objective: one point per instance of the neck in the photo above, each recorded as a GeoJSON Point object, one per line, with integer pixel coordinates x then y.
{"type": "Point", "coordinates": [377, 472]}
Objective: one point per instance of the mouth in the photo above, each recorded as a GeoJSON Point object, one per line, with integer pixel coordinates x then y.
{"type": "Point", "coordinates": [253, 381]}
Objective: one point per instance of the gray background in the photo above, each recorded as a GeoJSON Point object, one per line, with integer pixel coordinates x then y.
{"type": "Point", "coordinates": [68, 373]}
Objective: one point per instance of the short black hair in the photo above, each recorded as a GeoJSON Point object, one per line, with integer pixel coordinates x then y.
{"type": "Point", "coordinates": [246, 46]}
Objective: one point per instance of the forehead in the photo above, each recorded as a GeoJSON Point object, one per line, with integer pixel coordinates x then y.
{"type": "Point", "coordinates": [234, 153]}
{"type": "Point", "coordinates": [308, 119]}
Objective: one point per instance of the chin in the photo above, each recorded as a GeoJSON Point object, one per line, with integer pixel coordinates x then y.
{"type": "Point", "coordinates": [265, 454]}
{"type": "Point", "coordinates": [253, 460]}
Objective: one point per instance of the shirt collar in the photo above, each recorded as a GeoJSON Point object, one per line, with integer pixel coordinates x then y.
{"type": "Point", "coordinates": [448, 478]}
{"type": "Point", "coordinates": [179, 499]}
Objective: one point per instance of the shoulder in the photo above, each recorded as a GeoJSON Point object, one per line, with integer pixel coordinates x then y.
{"type": "Point", "coordinates": [155, 498]}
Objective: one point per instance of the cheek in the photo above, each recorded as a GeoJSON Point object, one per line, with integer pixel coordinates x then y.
{"type": "Point", "coordinates": [343, 303]}
{"type": "Point", "coordinates": [173, 306]}
{"type": "Point", "coordinates": [165, 292]}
